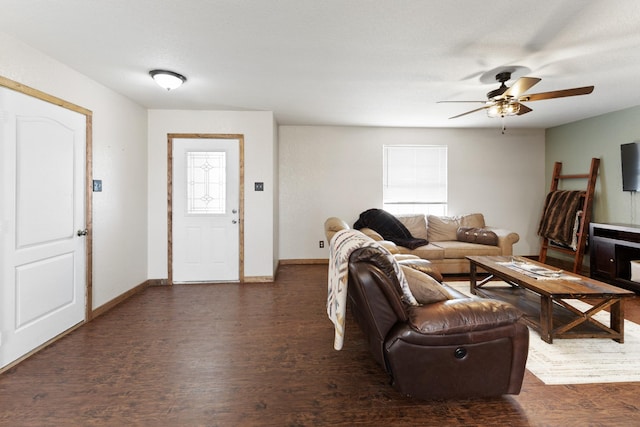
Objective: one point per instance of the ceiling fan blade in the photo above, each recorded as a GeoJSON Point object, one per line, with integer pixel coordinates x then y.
{"type": "Point", "coordinates": [557, 94]}
{"type": "Point", "coordinates": [448, 102]}
{"type": "Point", "coordinates": [469, 112]}
{"type": "Point", "coordinates": [521, 85]}
{"type": "Point", "coordinates": [524, 109]}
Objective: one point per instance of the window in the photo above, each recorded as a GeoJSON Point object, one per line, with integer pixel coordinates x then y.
{"type": "Point", "coordinates": [206, 184]}
{"type": "Point", "coordinates": [415, 179]}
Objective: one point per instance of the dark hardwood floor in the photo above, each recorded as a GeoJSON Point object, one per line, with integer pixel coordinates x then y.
{"type": "Point", "coordinates": [258, 355]}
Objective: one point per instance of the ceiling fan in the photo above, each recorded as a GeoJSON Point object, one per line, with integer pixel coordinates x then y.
{"type": "Point", "coordinates": [508, 101]}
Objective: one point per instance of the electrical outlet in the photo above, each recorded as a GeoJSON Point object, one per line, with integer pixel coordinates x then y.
{"type": "Point", "coordinates": [321, 244]}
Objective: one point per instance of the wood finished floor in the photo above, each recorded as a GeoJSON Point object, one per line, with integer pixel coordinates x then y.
{"type": "Point", "coordinates": [258, 355]}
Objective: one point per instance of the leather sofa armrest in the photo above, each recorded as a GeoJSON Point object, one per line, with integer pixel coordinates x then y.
{"type": "Point", "coordinates": [462, 315]}
{"type": "Point", "coordinates": [506, 239]}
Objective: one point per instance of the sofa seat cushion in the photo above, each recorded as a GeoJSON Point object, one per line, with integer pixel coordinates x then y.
{"type": "Point", "coordinates": [455, 249]}
{"type": "Point", "coordinates": [425, 251]}
{"type": "Point", "coordinates": [462, 315]}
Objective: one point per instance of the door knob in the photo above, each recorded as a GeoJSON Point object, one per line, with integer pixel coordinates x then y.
{"type": "Point", "coordinates": [83, 232]}
{"type": "Point", "coordinates": [233, 221]}
{"type": "Point", "coordinates": [234, 211]}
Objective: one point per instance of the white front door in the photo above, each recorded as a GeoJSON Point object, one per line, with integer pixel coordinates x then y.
{"type": "Point", "coordinates": [206, 210]}
{"type": "Point", "coordinates": [42, 208]}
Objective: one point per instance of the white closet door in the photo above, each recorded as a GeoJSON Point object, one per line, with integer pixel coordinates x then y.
{"type": "Point", "coordinates": [42, 199]}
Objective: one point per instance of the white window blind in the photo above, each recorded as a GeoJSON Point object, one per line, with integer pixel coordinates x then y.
{"type": "Point", "coordinates": [415, 179]}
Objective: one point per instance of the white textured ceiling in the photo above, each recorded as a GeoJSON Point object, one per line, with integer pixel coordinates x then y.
{"type": "Point", "coordinates": [345, 62]}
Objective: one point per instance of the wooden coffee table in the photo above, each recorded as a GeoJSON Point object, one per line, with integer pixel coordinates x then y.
{"type": "Point", "coordinates": [543, 293]}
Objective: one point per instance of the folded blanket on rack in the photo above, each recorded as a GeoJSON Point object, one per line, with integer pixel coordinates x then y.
{"type": "Point", "coordinates": [560, 216]}
{"type": "Point", "coordinates": [389, 227]}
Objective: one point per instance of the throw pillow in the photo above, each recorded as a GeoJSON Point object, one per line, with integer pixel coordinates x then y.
{"type": "Point", "coordinates": [442, 228]}
{"type": "Point", "coordinates": [425, 289]}
{"type": "Point", "coordinates": [477, 235]}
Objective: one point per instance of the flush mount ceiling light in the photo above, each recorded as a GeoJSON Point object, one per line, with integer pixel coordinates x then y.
{"type": "Point", "coordinates": [167, 79]}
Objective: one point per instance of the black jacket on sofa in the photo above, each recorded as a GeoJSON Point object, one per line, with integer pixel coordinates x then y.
{"type": "Point", "coordinates": [389, 227]}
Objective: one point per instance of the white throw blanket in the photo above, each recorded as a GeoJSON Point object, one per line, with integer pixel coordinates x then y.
{"type": "Point", "coordinates": [343, 243]}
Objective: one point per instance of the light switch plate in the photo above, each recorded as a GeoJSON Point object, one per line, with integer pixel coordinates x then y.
{"type": "Point", "coordinates": [259, 186]}
{"type": "Point", "coordinates": [97, 185]}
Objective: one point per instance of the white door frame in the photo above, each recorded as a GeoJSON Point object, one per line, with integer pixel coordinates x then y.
{"type": "Point", "coordinates": [170, 138]}
{"type": "Point", "coordinates": [88, 309]}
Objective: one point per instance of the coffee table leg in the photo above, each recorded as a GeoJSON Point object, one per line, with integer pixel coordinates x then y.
{"type": "Point", "coordinates": [472, 277]}
{"type": "Point", "coordinates": [616, 319]}
{"type": "Point", "coordinates": [546, 319]}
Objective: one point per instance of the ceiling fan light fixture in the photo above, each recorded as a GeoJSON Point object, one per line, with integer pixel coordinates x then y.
{"type": "Point", "coordinates": [503, 109]}
{"type": "Point", "coordinates": [167, 79]}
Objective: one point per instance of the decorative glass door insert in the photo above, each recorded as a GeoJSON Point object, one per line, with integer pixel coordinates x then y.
{"type": "Point", "coordinates": [206, 182]}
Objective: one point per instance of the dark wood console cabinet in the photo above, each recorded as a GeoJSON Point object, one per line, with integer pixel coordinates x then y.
{"type": "Point", "coordinates": [612, 247]}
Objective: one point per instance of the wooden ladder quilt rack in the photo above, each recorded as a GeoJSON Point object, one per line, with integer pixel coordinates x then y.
{"type": "Point", "coordinates": [585, 216]}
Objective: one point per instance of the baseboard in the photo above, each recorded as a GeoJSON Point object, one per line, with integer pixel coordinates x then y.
{"type": "Point", "coordinates": [258, 279]}
{"type": "Point", "coordinates": [304, 261]}
{"type": "Point", "coordinates": [246, 279]}
{"type": "Point", "coordinates": [121, 298]}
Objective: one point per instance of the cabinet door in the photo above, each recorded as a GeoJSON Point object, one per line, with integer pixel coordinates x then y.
{"type": "Point", "coordinates": [604, 257]}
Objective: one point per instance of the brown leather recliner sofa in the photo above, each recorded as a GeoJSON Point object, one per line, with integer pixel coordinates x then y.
{"type": "Point", "coordinates": [458, 348]}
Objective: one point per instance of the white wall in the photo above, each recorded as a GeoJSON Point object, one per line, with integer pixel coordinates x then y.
{"type": "Point", "coordinates": [119, 159]}
{"type": "Point", "coordinates": [259, 152]}
{"type": "Point", "coordinates": [337, 171]}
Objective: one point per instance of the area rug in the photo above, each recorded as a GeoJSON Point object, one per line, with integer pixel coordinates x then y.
{"type": "Point", "coordinates": [582, 360]}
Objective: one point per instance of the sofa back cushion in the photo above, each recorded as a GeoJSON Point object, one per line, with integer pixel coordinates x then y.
{"type": "Point", "coordinates": [445, 228]}
{"type": "Point", "coordinates": [415, 223]}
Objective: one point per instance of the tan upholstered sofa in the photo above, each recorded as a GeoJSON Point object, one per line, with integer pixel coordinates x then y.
{"type": "Point", "coordinates": [450, 239]}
